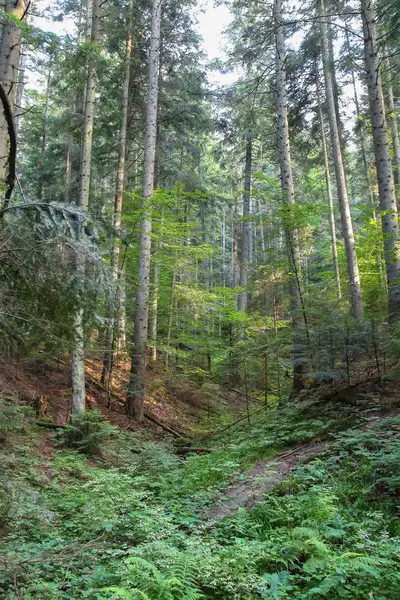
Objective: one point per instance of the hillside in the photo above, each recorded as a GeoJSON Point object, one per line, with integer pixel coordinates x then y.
{"type": "Point", "coordinates": [300, 503]}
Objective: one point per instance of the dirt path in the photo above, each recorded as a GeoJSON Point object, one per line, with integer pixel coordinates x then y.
{"type": "Point", "coordinates": [262, 478]}
{"type": "Point", "coordinates": [268, 473]}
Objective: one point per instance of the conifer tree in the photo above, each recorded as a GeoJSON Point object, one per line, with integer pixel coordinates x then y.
{"type": "Point", "coordinates": [137, 381]}
{"type": "Point", "coordinates": [387, 195]}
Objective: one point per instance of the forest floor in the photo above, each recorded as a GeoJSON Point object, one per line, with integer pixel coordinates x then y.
{"type": "Point", "coordinates": [266, 474]}
{"type": "Point", "coordinates": [300, 503]}
{"type": "Point", "coordinates": [261, 479]}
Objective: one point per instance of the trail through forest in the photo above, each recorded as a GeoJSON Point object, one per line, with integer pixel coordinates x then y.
{"type": "Point", "coordinates": [268, 473]}
{"type": "Point", "coordinates": [263, 478]}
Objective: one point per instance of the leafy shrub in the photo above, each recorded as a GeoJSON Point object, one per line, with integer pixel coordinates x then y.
{"type": "Point", "coordinates": [87, 432]}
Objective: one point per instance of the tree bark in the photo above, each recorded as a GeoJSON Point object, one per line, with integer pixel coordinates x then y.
{"type": "Point", "coordinates": [245, 254]}
{"type": "Point", "coordinates": [20, 86]}
{"type": "Point", "coordinates": [10, 50]}
{"type": "Point", "coordinates": [329, 193]}
{"type": "Point", "coordinates": [112, 329]}
{"type": "Point", "coordinates": [42, 158]}
{"type": "Point", "coordinates": [392, 118]}
{"type": "Point", "coordinates": [78, 348]}
{"type": "Point", "coordinates": [387, 195]}
{"type": "Point", "coordinates": [137, 381]}
{"type": "Point", "coordinates": [170, 318]}
{"type": "Point", "coordinates": [347, 224]}
{"type": "Point", "coordinates": [235, 236]}
{"type": "Point", "coordinates": [288, 195]}
{"type": "Point", "coordinates": [361, 134]}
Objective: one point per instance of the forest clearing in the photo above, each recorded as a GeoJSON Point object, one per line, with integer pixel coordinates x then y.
{"type": "Point", "coordinates": [199, 300]}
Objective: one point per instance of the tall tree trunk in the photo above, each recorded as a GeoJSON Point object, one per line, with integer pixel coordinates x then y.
{"type": "Point", "coordinates": [262, 234]}
{"type": "Point", "coordinates": [42, 158]}
{"type": "Point", "coordinates": [235, 236]}
{"type": "Point", "coordinates": [153, 309]}
{"type": "Point", "coordinates": [137, 381]}
{"type": "Point", "coordinates": [10, 50]}
{"type": "Point", "coordinates": [392, 118]}
{"type": "Point", "coordinates": [68, 166]}
{"type": "Point", "coordinates": [78, 348]}
{"type": "Point", "coordinates": [387, 195]}
{"type": "Point", "coordinates": [245, 254]}
{"type": "Point", "coordinates": [288, 194]}
{"type": "Point", "coordinates": [112, 330]}
{"type": "Point", "coordinates": [329, 193]}
{"type": "Point", "coordinates": [331, 54]}
{"type": "Point", "coordinates": [361, 133]}
{"type": "Point", "coordinates": [170, 318]}
{"type": "Point", "coordinates": [347, 224]}
{"type": "Point", "coordinates": [20, 87]}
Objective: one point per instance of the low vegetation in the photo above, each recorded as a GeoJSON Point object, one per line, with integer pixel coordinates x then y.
{"type": "Point", "coordinates": [131, 521]}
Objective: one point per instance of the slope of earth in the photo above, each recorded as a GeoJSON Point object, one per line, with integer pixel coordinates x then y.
{"type": "Point", "coordinates": [173, 402]}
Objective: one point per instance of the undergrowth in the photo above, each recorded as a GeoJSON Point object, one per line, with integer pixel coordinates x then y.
{"type": "Point", "coordinates": [132, 523]}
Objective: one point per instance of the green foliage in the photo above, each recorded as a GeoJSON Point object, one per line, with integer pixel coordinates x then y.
{"type": "Point", "coordinates": [134, 524]}
{"type": "Point", "coordinates": [87, 432]}
{"type": "Point", "coordinates": [12, 417]}
{"type": "Point", "coordinates": [142, 579]}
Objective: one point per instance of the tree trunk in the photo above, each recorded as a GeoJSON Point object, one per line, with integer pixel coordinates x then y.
{"type": "Point", "coordinates": [42, 158]}
{"type": "Point", "coordinates": [20, 86]}
{"type": "Point", "coordinates": [155, 285]}
{"type": "Point", "coordinates": [10, 50]}
{"type": "Point", "coordinates": [78, 348]}
{"type": "Point", "coordinates": [245, 254]}
{"type": "Point", "coordinates": [387, 195]}
{"type": "Point", "coordinates": [288, 195]}
{"type": "Point", "coordinates": [137, 381]}
{"type": "Point", "coordinates": [113, 320]}
{"type": "Point", "coordinates": [235, 236]}
{"type": "Point", "coordinates": [361, 134]}
{"type": "Point", "coordinates": [347, 225]}
{"type": "Point", "coordinates": [392, 118]}
{"type": "Point", "coordinates": [329, 193]}
{"type": "Point", "coordinates": [170, 318]}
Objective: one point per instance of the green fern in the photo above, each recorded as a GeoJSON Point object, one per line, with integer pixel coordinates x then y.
{"type": "Point", "coordinates": [175, 582]}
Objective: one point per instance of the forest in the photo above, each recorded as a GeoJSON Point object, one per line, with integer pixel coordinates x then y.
{"type": "Point", "coordinates": [199, 300]}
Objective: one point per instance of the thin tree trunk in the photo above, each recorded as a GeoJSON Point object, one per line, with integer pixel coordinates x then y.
{"type": "Point", "coordinates": [68, 166]}
{"type": "Point", "coordinates": [235, 236]}
{"type": "Point", "coordinates": [170, 319]}
{"type": "Point", "coordinates": [137, 381]}
{"type": "Point", "coordinates": [155, 285]}
{"type": "Point", "coordinates": [392, 118]}
{"type": "Point", "coordinates": [288, 194]}
{"type": "Point", "coordinates": [361, 134]}
{"type": "Point", "coordinates": [329, 193]}
{"type": "Point", "coordinates": [262, 234]}
{"type": "Point", "coordinates": [387, 195]}
{"type": "Point", "coordinates": [113, 325]}
{"type": "Point", "coordinates": [10, 50]}
{"type": "Point", "coordinates": [245, 254]}
{"type": "Point", "coordinates": [347, 225]}
{"type": "Point", "coordinates": [20, 86]}
{"type": "Point", "coordinates": [42, 158]}
{"type": "Point", "coordinates": [78, 348]}
{"type": "Point", "coordinates": [155, 289]}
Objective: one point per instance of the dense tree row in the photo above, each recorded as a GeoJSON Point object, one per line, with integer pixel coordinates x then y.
{"type": "Point", "coordinates": [246, 235]}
